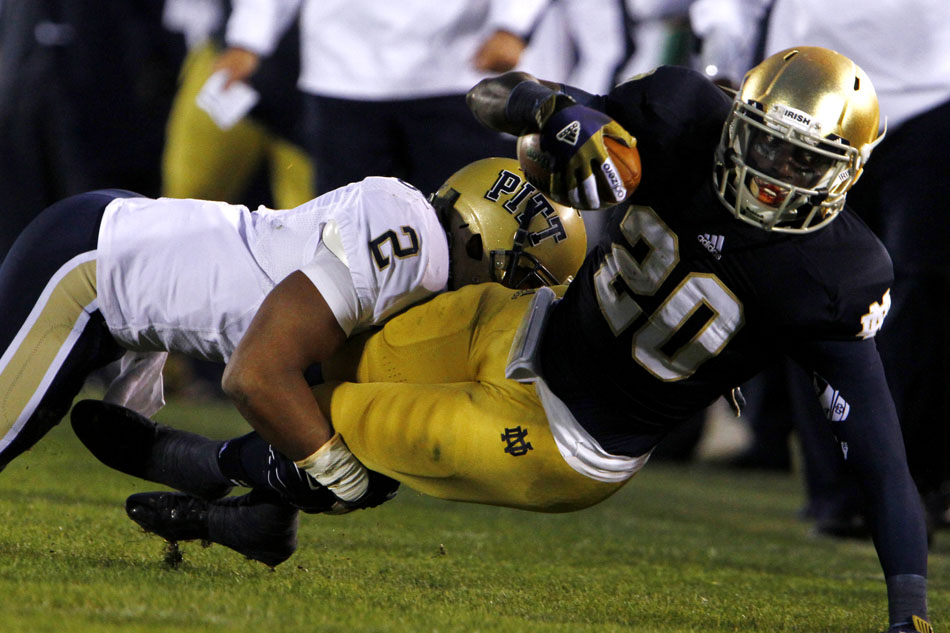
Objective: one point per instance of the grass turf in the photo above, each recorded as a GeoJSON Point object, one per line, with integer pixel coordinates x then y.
{"type": "Point", "coordinates": [678, 549]}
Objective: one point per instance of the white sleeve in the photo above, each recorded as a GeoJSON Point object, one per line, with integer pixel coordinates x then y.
{"type": "Point", "coordinates": [258, 25]}
{"type": "Point", "coordinates": [729, 30]}
{"type": "Point", "coordinates": [333, 279]}
{"type": "Point", "coordinates": [516, 17]}
{"type": "Point", "coordinates": [138, 385]}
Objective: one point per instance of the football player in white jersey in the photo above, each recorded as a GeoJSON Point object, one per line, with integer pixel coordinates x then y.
{"type": "Point", "coordinates": [110, 275]}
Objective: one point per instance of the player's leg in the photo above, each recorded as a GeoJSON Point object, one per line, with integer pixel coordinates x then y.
{"type": "Point", "coordinates": [257, 525]}
{"type": "Point", "coordinates": [51, 332]}
{"type": "Point", "coordinates": [132, 444]}
{"type": "Point", "coordinates": [454, 337]}
{"type": "Point", "coordinates": [436, 412]}
{"type": "Point", "coordinates": [478, 442]}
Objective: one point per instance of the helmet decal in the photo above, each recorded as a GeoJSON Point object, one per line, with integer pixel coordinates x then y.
{"type": "Point", "coordinates": [502, 228]}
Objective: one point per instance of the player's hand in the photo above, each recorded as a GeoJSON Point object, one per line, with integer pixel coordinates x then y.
{"type": "Point", "coordinates": [239, 63]}
{"type": "Point", "coordinates": [381, 489]}
{"type": "Point", "coordinates": [582, 173]}
{"type": "Point", "coordinates": [916, 625]}
{"type": "Point", "coordinates": [297, 488]}
{"type": "Point", "coordinates": [499, 53]}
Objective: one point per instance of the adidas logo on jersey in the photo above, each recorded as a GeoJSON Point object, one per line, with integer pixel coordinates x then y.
{"type": "Point", "coordinates": [570, 133]}
{"type": "Point", "coordinates": [712, 243]}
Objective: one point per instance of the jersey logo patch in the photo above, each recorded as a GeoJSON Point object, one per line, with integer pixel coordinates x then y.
{"type": "Point", "coordinates": [836, 408]}
{"type": "Point", "coordinates": [712, 243]}
{"type": "Point", "coordinates": [515, 443]}
{"type": "Point", "coordinates": [874, 319]}
{"type": "Point", "coordinates": [569, 133]}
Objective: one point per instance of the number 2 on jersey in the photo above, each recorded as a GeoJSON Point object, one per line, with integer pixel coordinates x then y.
{"type": "Point", "coordinates": [400, 250]}
{"type": "Point", "coordinates": [701, 307]}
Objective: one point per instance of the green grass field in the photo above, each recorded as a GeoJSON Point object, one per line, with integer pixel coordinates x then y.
{"type": "Point", "coordinates": [678, 549]}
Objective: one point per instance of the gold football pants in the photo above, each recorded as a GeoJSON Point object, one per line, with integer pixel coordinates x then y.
{"type": "Point", "coordinates": [426, 402]}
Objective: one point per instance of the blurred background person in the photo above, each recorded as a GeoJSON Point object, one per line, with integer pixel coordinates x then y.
{"type": "Point", "coordinates": [85, 89]}
{"type": "Point", "coordinates": [384, 83]}
{"type": "Point", "coordinates": [564, 46]}
{"type": "Point", "coordinates": [661, 34]}
{"type": "Point", "coordinates": [260, 158]}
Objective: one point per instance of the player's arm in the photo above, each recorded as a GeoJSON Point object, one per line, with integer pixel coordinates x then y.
{"type": "Point", "coordinates": [572, 136]}
{"type": "Point", "coordinates": [253, 31]}
{"type": "Point", "coordinates": [853, 391]}
{"type": "Point", "coordinates": [293, 329]}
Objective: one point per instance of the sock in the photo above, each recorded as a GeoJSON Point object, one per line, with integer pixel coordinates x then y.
{"type": "Point", "coordinates": [243, 460]}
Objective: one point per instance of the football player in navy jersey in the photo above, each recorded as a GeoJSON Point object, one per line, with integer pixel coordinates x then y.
{"type": "Point", "coordinates": [680, 301]}
{"type": "Point", "coordinates": [736, 249]}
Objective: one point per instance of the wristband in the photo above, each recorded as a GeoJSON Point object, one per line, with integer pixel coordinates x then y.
{"type": "Point", "coordinates": [337, 468]}
{"type": "Point", "coordinates": [530, 104]}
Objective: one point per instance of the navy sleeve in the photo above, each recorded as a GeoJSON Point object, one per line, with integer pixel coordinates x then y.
{"type": "Point", "coordinates": [850, 383]}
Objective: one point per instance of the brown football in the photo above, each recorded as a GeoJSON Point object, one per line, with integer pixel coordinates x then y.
{"type": "Point", "coordinates": [536, 164]}
{"type": "Point", "coordinates": [627, 160]}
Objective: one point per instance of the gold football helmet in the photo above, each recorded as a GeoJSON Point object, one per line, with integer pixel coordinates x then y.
{"type": "Point", "coordinates": [501, 228]}
{"type": "Point", "coordinates": [802, 125]}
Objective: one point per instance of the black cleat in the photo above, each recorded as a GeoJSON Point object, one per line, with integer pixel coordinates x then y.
{"type": "Point", "coordinates": [255, 525]}
{"type": "Point", "coordinates": [131, 443]}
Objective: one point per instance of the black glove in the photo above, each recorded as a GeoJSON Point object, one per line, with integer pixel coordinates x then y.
{"type": "Point", "coordinates": [299, 489]}
{"type": "Point", "coordinates": [381, 489]}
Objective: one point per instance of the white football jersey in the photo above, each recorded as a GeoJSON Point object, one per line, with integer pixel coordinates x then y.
{"type": "Point", "coordinates": [189, 275]}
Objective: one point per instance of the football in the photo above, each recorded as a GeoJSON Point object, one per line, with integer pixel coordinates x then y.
{"type": "Point", "coordinates": [627, 160]}
{"type": "Point", "coordinates": [537, 164]}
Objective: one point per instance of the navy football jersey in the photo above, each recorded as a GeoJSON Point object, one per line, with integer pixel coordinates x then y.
{"type": "Point", "coordinates": [681, 301]}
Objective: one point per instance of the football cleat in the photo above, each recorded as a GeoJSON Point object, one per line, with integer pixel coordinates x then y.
{"type": "Point", "coordinates": [916, 625]}
{"type": "Point", "coordinates": [255, 525]}
{"type": "Point", "coordinates": [131, 443]}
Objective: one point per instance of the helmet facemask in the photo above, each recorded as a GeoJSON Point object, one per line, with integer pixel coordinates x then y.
{"type": "Point", "coordinates": [522, 269]}
{"type": "Point", "coordinates": [782, 176]}
{"type": "Point", "coordinates": [801, 127]}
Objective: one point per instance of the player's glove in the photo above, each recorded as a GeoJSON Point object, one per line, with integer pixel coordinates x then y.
{"type": "Point", "coordinates": [916, 625]}
{"type": "Point", "coordinates": [334, 474]}
{"type": "Point", "coordinates": [572, 136]}
{"type": "Point", "coordinates": [295, 486]}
